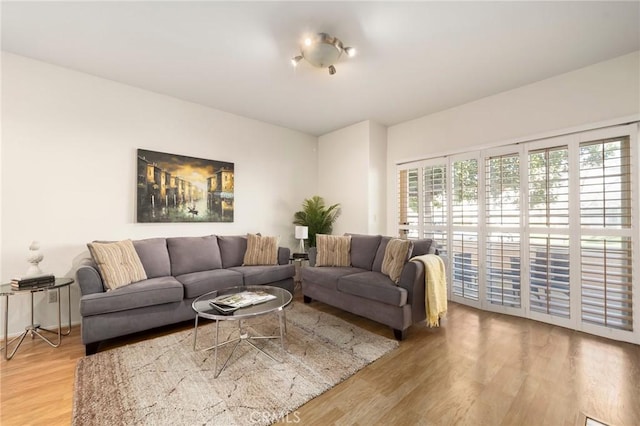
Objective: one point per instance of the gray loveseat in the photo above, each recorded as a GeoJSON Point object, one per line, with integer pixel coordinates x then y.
{"type": "Point", "coordinates": [178, 271]}
{"type": "Point", "coordinates": [364, 290]}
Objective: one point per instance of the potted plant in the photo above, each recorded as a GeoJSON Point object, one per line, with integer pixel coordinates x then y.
{"type": "Point", "coordinates": [317, 217]}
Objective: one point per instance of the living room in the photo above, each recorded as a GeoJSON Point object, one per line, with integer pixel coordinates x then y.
{"type": "Point", "coordinates": [71, 124]}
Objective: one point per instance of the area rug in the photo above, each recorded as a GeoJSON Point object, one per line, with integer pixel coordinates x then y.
{"type": "Point", "coordinates": [163, 381]}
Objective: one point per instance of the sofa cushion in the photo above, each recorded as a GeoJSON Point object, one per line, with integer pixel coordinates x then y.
{"type": "Point", "coordinates": [232, 249]}
{"type": "Point", "coordinates": [363, 250]}
{"type": "Point", "coordinates": [259, 275]}
{"type": "Point", "coordinates": [326, 276]}
{"type": "Point", "coordinates": [261, 250]}
{"type": "Point", "coordinates": [333, 250]}
{"type": "Point", "coordinates": [373, 286]}
{"type": "Point", "coordinates": [193, 254]}
{"type": "Point", "coordinates": [118, 262]}
{"type": "Point", "coordinates": [154, 256]}
{"type": "Point", "coordinates": [149, 292]}
{"type": "Point", "coordinates": [198, 283]}
{"type": "Point", "coordinates": [396, 255]}
{"type": "Point", "coordinates": [377, 262]}
{"type": "Point", "coordinates": [423, 246]}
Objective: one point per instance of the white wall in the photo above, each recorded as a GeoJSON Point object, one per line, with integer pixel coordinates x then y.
{"type": "Point", "coordinates": [597, 93]}
{"type": "Point", "coordinates": [352, 172]}
{"type": "Point", "coordinates": [68, 164]}
{"type": "Point", "coordinates": [343, 170]}
{"type": "Point", "coordinates": [377, 178]}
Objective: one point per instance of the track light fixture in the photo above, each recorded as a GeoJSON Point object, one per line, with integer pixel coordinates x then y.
{"type": "Point", "coordinates": [322, 51]}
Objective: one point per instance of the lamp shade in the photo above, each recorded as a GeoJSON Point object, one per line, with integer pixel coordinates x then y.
{"type": "Point", "coordinates": [302, 232]}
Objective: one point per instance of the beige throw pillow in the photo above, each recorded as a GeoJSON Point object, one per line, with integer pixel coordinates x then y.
{"type": "Point", "coordinates": [261, 250]}
{"type": "Point", "coordinates": [333, 250]}
{"type": "Point", "coordinates": [395, 256]}
{"type": "Point", "coordinates": [118, 262]}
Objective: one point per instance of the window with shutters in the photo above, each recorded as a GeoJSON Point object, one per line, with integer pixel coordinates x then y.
{"type": "Point", "coordinates": [546, 229]}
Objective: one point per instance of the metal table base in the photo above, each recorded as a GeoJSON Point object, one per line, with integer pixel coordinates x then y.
{"type": "Point", "coordinates": [243, 337]}
{"type": "Point", "coordinates": [34, 329]}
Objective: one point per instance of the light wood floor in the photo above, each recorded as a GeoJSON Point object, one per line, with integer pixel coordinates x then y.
{"type": "Point", "coordinates": [478, 369]}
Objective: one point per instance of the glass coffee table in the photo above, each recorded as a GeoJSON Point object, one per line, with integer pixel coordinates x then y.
{"type": "Point", "coordinates": [203, 308]}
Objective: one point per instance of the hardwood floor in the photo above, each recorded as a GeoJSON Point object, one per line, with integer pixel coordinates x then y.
{"type": "Point", "coordinates": [480, 368]}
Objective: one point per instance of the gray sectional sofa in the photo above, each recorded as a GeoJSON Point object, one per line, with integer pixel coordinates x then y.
{"type": "Point", "coordinates": [178, 271]}
{"type": "Point", "coordinates": [364, 290]}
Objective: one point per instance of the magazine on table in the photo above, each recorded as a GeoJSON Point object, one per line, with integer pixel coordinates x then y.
{"type": "Point", "coordinates": [231, 302]}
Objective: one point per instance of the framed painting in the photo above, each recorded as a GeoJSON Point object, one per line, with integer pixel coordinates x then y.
{"type": "Point", "coordinates": [177, 188]}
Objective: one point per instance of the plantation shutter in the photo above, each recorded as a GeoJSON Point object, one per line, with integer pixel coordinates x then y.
{"type": "Point", "coordinates": [502, 185]}
{"type": "Point", "coordinates": [549, 187]}
{"type": "Point", "coordinates": [605, 184]}
{"type": "Point", "coordinates": [434, 190]}
{"type": "Point", "coordinates": [606, 258]}
{"type": "Point", "coordinates": [464, 219]}
{"type": "Point", "coordinates": [408, 202]}
{"type": "Point", "coordinates": [502, 218]}
{"type": "Point", "coordinates": [465, 192]}
{"type": "Point", "coordinates": [549, 291]}
{"type": "Point", "coordinates": [503, 269]}
{"type": "Point", "coordinates": [465, 265]}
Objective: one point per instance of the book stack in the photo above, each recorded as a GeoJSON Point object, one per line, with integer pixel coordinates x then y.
{"type": "Point", "coordinates": [31, 282]}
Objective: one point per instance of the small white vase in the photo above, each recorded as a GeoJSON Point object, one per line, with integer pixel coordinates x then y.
{"type": "Point", "coordinates": [34, 258]}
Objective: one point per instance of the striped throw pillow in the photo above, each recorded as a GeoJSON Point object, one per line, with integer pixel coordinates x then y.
{"type": "Point", "coordinates": [333, 250]}
{"type": "Point", "coordinates": [395, 256]}
{"type": "Point", "coordinates": [261, 250]}
{"type": "Point", "coordinates": [118, 262]}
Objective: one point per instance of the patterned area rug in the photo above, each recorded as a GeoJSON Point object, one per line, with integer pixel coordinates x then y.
{"type": "Point", "coordinates": [163, 381]}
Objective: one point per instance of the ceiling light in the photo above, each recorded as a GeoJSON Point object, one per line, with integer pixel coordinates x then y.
{"type": "Point", "coordinates": [294, 61]}
{"type": "Point", "coordinates": [323, 51]}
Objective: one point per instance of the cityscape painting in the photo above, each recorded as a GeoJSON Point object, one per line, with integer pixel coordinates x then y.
{"type": "Point", "coordinates": [177, 188]}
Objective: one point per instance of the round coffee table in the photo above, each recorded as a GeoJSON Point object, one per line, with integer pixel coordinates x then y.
{"type": "Point", "coordinates": [203, 308]}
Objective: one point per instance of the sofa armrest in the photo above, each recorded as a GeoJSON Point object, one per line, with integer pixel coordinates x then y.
{"type": "Point", "coordinates": [284, 254]}
{"type": "Point", "coordinates": [412, 280]}
{"type": "Point", "coordinates": [89, 279]}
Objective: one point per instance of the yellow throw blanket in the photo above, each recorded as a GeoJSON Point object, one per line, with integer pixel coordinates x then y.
{"type": "Point", "coordinates": [435, 291]}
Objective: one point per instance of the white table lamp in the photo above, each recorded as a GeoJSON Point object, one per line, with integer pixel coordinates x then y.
{"type": "Point", "coordinates": [302, 233]}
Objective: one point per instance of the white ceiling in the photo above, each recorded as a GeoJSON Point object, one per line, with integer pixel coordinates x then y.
{"type": "Point", "coordinates": [414, 58]}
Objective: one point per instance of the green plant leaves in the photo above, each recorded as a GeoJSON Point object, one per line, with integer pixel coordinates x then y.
{"type": "Point", "coordinates": [317, 217]}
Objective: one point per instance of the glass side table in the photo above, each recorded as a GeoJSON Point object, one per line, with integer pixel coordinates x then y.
{"type": "Point", "coordinates": [34, 329]}
{"type": "Point", "coordinates": [298, 259]}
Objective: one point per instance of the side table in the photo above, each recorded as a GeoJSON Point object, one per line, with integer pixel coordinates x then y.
{"type": "Point", "coordinates": [34, 329]}
{"type": "Point", "coordinates": [297, 259]}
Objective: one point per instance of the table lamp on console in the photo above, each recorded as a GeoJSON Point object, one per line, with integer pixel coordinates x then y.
{"type": "Point", "coordinates": [302, 233]}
